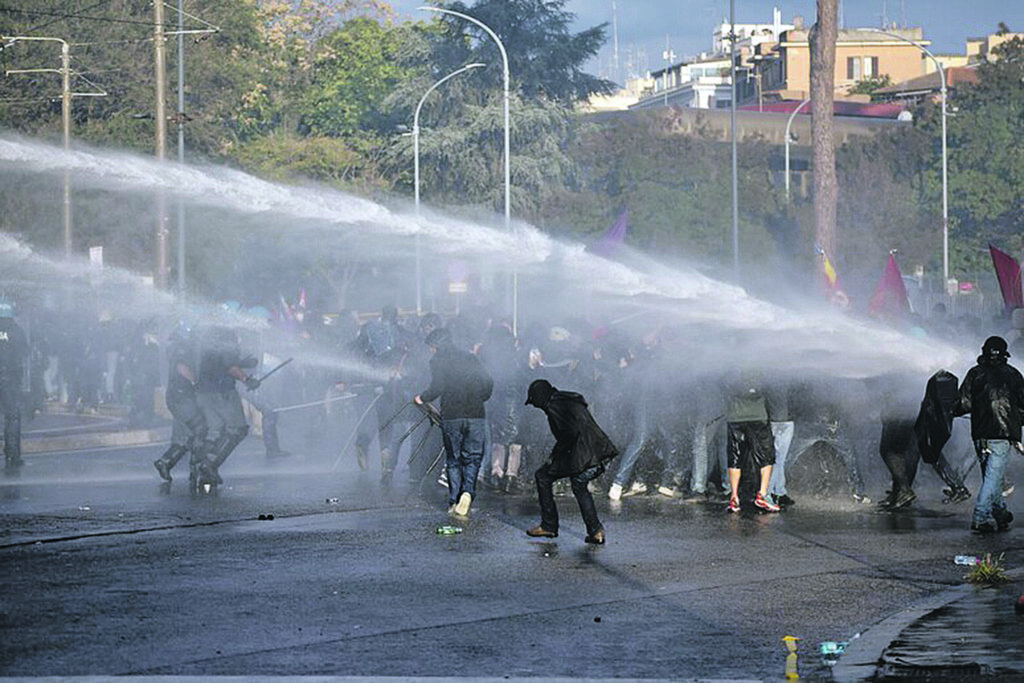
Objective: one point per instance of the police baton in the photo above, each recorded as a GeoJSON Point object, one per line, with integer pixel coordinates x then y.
{"type": "Point", "coordinates": [284, 363]}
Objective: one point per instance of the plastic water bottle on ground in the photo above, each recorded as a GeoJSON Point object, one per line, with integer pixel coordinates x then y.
{"type": "Point", "coordinates": [966, 560]}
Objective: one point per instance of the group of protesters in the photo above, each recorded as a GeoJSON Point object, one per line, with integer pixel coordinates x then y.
{"type": "Point", "coordinates": [739, 436]}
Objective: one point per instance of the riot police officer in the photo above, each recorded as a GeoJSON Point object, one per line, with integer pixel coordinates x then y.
{"type": "Point", "coordinates": [220, 366]}
{"type": "Point", "coordinates": [188, 431]}
{"type": "Point", "coordinates": [13, 352]}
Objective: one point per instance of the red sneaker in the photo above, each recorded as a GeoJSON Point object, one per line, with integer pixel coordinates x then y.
{"type": "Point", "coordinates": [734, 505]}
{"type": "Point", "coordinates": [765, 504]}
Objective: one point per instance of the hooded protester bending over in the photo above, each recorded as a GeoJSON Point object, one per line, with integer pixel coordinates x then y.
{"type": "Point", "coordinates": [993, 394]}
{"type": "Point", "coordinates": [580, 452]}
{"type": "Point", "coordinates": [462, 383]}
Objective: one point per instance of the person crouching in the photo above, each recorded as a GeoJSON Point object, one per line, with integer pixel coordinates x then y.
{"type": "Point", "coordinates": [580, 452]}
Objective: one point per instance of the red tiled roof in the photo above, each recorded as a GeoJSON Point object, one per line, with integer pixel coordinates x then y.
{"type": "Point", "coordinates": [840, 107]}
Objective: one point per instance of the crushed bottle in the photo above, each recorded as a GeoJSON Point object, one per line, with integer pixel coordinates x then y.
{"type": "Point", "coordinates": [449, 530]}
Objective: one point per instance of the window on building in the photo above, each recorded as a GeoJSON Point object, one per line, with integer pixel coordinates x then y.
{"type": "Point", "coordinates": [854, 69]}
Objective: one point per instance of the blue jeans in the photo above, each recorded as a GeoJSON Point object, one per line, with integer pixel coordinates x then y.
{"type": "Point", "coordinates": [989, 507]}
{"type": "Point", "coordinates": [643, 432]}
{"type": "Point", "coordinates": [464, 451]}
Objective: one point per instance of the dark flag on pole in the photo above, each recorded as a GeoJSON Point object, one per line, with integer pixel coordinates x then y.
{"type": "Point", "coordinates": [1008, 273]}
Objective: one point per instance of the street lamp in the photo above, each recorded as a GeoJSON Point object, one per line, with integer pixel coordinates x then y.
{"type": "Point", "coordinates": [416, 169]}
{"type": "Point", "coordinates": [788, 124]}
{"type": "Point", "coordinates": [945, 171]}
{"type": "Point", "coordinates": [508, 174]}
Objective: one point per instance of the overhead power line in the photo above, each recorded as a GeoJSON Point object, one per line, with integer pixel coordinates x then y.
{"type": "Point", "coordinates": [69, 15]}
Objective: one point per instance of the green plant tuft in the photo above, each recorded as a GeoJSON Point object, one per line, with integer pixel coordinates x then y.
{"type": "Point", "coordinates": [988, 572]}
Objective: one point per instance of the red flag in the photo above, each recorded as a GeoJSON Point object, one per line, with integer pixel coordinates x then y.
{"type": "Point", "coordinates": [891, 294]}
{"type": "Point", "coordinates": [1008, 273]}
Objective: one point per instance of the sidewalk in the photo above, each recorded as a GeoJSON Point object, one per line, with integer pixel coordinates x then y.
{"type": "Point", "coordinates": [59, 429]}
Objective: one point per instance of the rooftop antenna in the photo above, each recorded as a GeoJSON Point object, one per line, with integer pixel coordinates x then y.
{"type": "Point", "coordinates": [842, 15]}
{"type": "Point", "coordinates": [885, 15]}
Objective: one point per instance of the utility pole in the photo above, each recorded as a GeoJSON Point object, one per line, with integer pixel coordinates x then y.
{"type": "Point", "coordinates": [65, 113]}
{"type": "Point", "coordinates": [160, 118]}
{"type": "Point", "coordinates": [732, 136]}
{"type": "Point", "coordinates": [181, 142]}
{"type": "Point", "coordinates": [615, 45]}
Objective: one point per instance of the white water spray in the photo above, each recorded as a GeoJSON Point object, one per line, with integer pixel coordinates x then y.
{"type": "Point", "coordinates": [736, 328]}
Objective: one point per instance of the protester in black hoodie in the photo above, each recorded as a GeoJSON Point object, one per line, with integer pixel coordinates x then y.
{"type": "Point", "coordinates": [993, 394]}
{"type": "Point", "coordinates": [580, 452]}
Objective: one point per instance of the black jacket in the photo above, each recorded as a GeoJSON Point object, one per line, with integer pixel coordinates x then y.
{"type": "Point", "coordinates": [461, 381]}
{"type": "Point", "coordinates": [993, 394]}
{"type": "Point", "coordinates": [579, 442]}
{"type": "Point", "coordinates": [934, 423]}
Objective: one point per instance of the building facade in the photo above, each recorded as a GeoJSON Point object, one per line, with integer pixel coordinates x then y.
{"type": "Point", "coordinates": [861, 55]}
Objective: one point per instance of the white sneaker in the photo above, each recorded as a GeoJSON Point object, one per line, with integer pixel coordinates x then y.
{"type": "Point", "coordinates": [667, 491]}
{"type": "Point", "coordinates": [462, 507]}
{"type": "Point", "coordinates": [615, 492]}
{"type": "Point", "coordinates": [637, 488]}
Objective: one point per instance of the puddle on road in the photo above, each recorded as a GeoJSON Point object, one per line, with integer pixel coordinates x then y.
{"type": "Point", "coordinates": [978, 637]}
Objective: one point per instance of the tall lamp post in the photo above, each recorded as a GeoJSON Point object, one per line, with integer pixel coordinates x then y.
{"type": "Point", "coordinates": [508, 174]}
{"type": "Point", "coordinates": [416, 170]}
{"type": "Point", "coordinates": [945, 168]}
{"type": "Point", "coordinates": [789, 123]}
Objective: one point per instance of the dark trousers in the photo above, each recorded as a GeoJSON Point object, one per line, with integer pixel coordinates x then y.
{"type": "Point", "coordinates": [579, 481]}
{"type": "Point", "coordinates": [10, 406]}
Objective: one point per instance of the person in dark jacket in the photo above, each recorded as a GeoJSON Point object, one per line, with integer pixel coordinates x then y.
{"type": "Point", "coordinates": [188, 431]}
{"type": "Point", "coordinates": [580, 452]}
{"type": "Point", "coordinates": [993, 394]}
{"type": "Point", "coordinates": [14, 351]}
{"type": "Point", "coordinates": [462, 383]}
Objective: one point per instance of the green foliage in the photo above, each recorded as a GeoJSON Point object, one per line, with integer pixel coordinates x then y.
{"type": "Point", "coordinates": [545, 58]}
{"type": "Point", "coordinates": [989, 572]}
{"type": "Point", "coordinates": [870, 85]}
{"type": "Point", "coordinates": [354, 72]}
{"type": "Point", "coordinates": [986, 168]}
{"type": "Point", "coordinates": [677, 189]}
{"type": "Point", "coordinates": [346, 163]}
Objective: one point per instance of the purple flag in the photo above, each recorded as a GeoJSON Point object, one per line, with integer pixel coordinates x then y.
{"type": "Point", "coordinates": [614, 236]}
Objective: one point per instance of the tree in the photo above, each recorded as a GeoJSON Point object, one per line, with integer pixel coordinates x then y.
{"type": "Point", "coordinates": [822, 39]}
{"type": "Point", "coordinates": [355, 70]}
{"type": "Point", "coordinates": [545, 58]}
{"type": "Point", "coordinates": [986, 169]}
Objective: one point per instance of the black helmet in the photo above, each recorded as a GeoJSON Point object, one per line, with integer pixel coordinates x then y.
{"type": "Point", "coordinates": [439, 337]}
{"type": "Point", "coordinates": [995, 347]}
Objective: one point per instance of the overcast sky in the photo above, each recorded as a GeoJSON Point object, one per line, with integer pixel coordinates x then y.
{"type": "Point", "coordinates": [644, 24]}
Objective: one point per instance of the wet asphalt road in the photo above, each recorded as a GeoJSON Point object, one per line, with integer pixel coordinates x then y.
{"type": "Point", "coordinates": [104, 574]}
